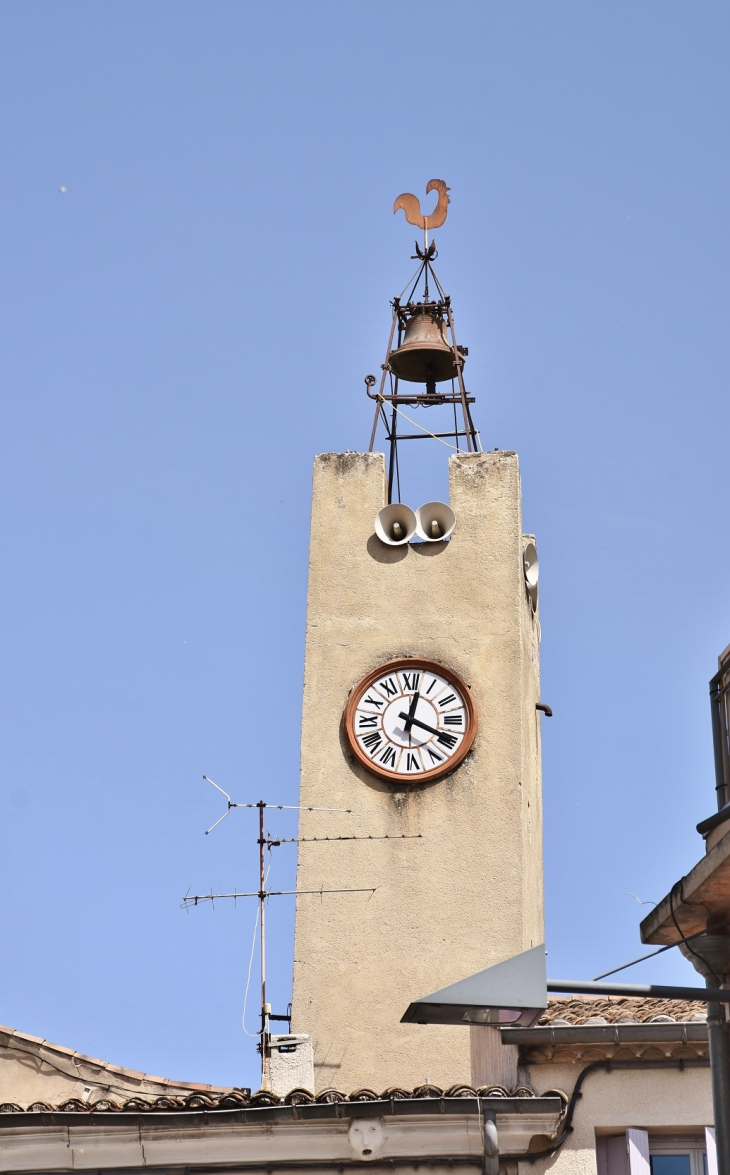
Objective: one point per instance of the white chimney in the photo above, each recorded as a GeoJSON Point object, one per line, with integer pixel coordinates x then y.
{"type": "Point", "coordinates": [291, 1063]}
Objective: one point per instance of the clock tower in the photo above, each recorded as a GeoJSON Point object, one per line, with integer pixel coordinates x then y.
{"type": "Point", "coordinates": [419, 717]}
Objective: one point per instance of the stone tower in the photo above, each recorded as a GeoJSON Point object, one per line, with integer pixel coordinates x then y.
{"type": "Point", "coordinates": [469, 891]}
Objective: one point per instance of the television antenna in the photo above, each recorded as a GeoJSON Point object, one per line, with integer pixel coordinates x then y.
{"type": "Point", "coordinates": [268, 842]}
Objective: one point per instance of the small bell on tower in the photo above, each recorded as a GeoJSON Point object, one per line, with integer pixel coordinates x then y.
{"type": "Point", "coordinates": [424, 356]}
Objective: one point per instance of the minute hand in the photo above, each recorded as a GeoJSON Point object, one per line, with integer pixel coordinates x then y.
{"type": "Point", "coordinates": [423, 725]}
{"type": "Point", "coordinates": [411, 711]}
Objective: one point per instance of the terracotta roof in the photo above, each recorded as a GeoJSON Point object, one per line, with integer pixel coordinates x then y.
{"type": "Point", "coordinates": [570, 1010]}
{"type": "Point", "coordinates": [235, 1099]}
{"type": "Point", "coordinates": [586, 1010]}
{"type": "Point", "coordinates": [22, 1042]}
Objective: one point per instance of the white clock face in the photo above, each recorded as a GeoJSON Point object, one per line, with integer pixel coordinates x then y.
{"type": "Point", "coordinates": [411, 719]}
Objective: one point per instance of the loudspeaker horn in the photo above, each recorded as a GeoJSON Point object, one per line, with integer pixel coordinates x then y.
{"type": "Point", "coordinates": [395, 524]}
{"type": "Point", "coordinates": [531, 565]}
{"type": "Point", "coordinates": [434, 521]}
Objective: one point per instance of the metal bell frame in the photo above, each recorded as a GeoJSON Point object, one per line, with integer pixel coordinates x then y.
{"type": "Point", "coordinates": [403, 314]}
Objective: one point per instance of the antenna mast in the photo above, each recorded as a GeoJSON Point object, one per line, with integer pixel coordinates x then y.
{"type": "Point", "coordinates": [265, 1008]}
{"type": "Point", "coordinates": [263, 893]}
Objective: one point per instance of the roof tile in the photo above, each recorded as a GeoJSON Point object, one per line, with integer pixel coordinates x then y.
{"type": "Point", "coordinates": [573, 1010]}
{"type": "Point", "coordinates": [243, 1098]}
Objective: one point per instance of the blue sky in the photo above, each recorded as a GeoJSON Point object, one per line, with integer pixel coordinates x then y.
{"type": "Point", "coordinates": [190, 321]}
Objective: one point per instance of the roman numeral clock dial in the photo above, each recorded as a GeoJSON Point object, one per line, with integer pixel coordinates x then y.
{"type": "Point", "coordinates": [410, 720]}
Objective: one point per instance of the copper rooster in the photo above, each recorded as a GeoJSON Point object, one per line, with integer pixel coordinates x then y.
{"type": "Point", "coordinates": [412, 206]}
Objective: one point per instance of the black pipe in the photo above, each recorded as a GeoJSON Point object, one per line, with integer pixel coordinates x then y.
{"type": "Point", "coordinates": [718, 687]}
{"type": "Point", "coordinates": [718, 738]}
{"type": "Point", "coordinates": [717, 1034]}
{"type": "Point", "coordinates": [652, 990]}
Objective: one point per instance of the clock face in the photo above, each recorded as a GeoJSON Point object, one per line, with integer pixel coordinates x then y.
{"type": "Point", "coordinates": [410, 720]}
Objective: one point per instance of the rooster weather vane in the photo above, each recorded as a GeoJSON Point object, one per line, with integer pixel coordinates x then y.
{"type": "Point", "coordinates": [411, 205]}
{"type": "Point", "coordinates": [422, 349]}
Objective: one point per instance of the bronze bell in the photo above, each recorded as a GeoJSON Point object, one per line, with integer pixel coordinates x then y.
{"type": "Point", "coordinates": [424, 356]}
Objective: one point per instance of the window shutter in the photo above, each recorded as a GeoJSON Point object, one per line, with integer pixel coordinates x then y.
{"type": "Point", "coordinates": [711, 1150]}
{"type": "Point", "coordinates": [637, 1143]}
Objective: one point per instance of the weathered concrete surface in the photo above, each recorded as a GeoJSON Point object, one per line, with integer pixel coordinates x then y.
{"type": "Point", "coordinates": [662, 1101]}
{"type": "Point", "coordinates": [448, 1137]}
{"type": "Point", "coordinates": [33, 1070]}
{"type": "Point", "coordinates": [700, 899]}
{"type": "Point", "coordinates": [470, 892]}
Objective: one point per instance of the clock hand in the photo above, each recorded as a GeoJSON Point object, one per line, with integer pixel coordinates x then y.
{"type": "Point", "coordinates": [423, 725]}
{"type": "Point", "coordinates": [411, 712]}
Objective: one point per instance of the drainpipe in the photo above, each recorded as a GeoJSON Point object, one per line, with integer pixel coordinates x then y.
{"type": "Point", "coordinates": [490, 1139]}
{"type": "Point", "coordinates": [711, 957]}
{"type": "Point", "coordinates": [717, 689]}
{"type": "Point", "coordinates": [717, 1033]}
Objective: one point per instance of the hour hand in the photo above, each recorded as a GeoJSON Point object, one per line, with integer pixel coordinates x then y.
{"type": "Point", "coordinates": [417, 722]}
{"type": "Point", "coordinates": [410, 717]}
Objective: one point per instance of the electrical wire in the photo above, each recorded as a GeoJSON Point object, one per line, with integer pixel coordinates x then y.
{"type": "Point", "coordinates": [428, 434]}
{"type": "Point", "coordinates": [608, 1066]}
{"type": "Point", "coordinates": [668, 947]}
{"type": "Point", "coordinates": [255, 1035]}
{"type": "Point", "coordinates": [248, 979]}
{"type": "Point", "coordinates": [718, 981]}
{"type": "Point", "coordinates": [98, 1082]}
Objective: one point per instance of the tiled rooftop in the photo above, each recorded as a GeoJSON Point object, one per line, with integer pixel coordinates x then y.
{"type": "Point", "coordinates": [236, 1099]}
{"type": "Point", "coordinates": [190, 1096]}
{"type": "Point", "coordinates": [588, 1010]}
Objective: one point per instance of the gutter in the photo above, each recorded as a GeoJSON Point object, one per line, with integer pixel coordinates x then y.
{"type": "Point", "coordinates": [714, 821]}
{"type": "Point", "coordinates": [266, 1116]}
{"type": "Point", "coordinates": [439, 1131]}
{"type": "Point", "coordinates": [678, 1033]}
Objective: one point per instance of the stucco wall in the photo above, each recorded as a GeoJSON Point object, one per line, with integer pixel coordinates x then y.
{"type": "Point", "coordinates": [34, 1070]}
{"type": "Point", "coordinates": [470, 892]}
{"type": "Point", "coordinates": [666, 1101]}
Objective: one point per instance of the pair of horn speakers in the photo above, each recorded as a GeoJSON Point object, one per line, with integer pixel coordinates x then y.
{"type": "Point", "coordinates": [531, 565]}
{"type": "Point", "coordinates": [397, 524]}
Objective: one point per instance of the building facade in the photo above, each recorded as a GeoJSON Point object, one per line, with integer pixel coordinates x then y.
{"type": "Point", "coordinates": [596, 1087]}
{"type": "Point", "coordinates": [466, 890]}
{"type": "Point", "coordinates": [421, 865]}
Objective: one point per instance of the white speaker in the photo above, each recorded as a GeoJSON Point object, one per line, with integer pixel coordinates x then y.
{"type": "Point", "coordinates": [531, 565]}
{"type": "Point", "coordinates": [434, 521]}
{"type": "Point", "coordinates": [395, 524]}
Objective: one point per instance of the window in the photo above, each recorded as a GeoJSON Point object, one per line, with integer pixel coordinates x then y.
{"type": "Point", "coordinates": [636, 1152]}
{"type": "Point", "coordinates": [671, 1164]}
{"type": "Point", "coordinates": [677, 1156]}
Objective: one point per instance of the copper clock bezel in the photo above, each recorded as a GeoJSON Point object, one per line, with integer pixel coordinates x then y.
{"type": "Point", "coordinates": [392, 667]}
